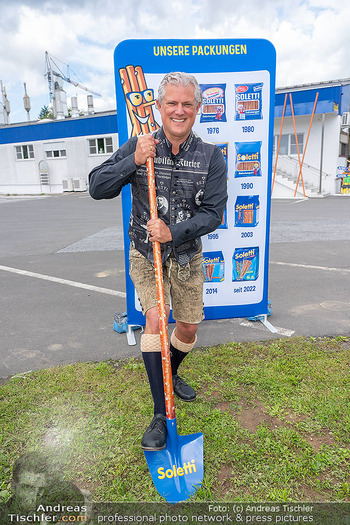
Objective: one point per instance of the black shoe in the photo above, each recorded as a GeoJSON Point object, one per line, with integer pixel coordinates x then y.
{"type": "Point", "coordinates": [183, 390]}
{"type": "Point", "coordinates": [155, 436]}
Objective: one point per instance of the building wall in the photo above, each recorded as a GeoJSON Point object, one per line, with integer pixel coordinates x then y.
{"type": "Point", "coordinates": [312, 157]}
{"type": "Point", "coordinates": [72, 135]}
{"type": "Point", "coordinates": [22, 176]}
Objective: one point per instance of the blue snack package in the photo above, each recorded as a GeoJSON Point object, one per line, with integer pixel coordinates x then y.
{"type": "Point", "coordinates": [247, 210]}
{"type": "Point", "coordinates": [245, 264]}
{"type": "Point", "coordinates": [213, 105]}
{"type": "Point", "coordinates": [224, 223]}
{"type": "Point", "coordinates": [224, 149]}
{"type": "Point", "coordinates": [248, 101]}
{"type": "Point", "coordinates": [213, 267]}
{"type": "Point", "coordinates": [248, 159]}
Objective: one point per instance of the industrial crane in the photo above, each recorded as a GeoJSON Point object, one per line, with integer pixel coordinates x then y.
{"type": "Point", "coordinates": [52, 71]}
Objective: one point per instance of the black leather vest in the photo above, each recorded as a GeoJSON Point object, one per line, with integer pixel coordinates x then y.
{"type": "Point", "coordinates": [180, 183]}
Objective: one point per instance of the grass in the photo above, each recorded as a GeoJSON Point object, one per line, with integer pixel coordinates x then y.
{"type": "Point", "coordinates": [275, 417]}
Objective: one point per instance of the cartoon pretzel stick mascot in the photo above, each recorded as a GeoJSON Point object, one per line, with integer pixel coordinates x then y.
{"type": "Point", "coordinates": [139, 100]}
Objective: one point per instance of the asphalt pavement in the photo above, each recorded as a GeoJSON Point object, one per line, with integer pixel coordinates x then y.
{"type": "Point", "coordinates": [62, 279]}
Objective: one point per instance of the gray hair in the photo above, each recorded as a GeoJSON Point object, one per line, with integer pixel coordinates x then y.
{"type": "Point", "coordinates": [179, 78]}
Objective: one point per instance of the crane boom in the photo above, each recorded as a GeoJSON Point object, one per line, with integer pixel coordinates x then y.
{"type": "Point", "coordinates": [76, 84]}
{"type": "Point", "coordinates": [50, 73]}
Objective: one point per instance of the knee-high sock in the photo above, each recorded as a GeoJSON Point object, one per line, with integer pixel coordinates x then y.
{"type": "Point", "coordinates": [178, 351]}
{"type": "Point", "coordinates": [152, 358]}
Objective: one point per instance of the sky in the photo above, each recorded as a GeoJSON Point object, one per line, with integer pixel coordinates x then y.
{"type": "Point", "coordinates": [311, 38]}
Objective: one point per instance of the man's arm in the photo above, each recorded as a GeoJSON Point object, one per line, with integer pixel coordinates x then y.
{"type": "Point", "coordinates": [210, 213]}
{"type": "Point", "coordinates": [107, 180]}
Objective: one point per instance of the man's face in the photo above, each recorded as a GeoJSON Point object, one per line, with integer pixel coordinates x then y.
{"type": "Point", "coordinates": [178, 111]}
{"type": "Point", "coordinates": [29, 488]}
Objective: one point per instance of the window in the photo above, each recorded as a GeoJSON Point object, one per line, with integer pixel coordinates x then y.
{"type": "Point", "coordinates": [55, 153]}
{"type": "Point", "coordinates": [100, 146]}
{"type": "Point", "coordinates": [24, 152]}
{"type": "Point", "coordinates": [343, 149]}
{"type": "Point", "coordinates": [55, 150]}
{"type": "Point", "coordinates": [288, 145]}
{"type": "Point", "coordinates": [293, 144]}
{"type": "Point", "coordinates": [284, 145]}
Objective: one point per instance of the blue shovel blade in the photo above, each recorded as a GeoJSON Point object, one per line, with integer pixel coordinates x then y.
{"type": "Point", "coordinates": [177, 471]}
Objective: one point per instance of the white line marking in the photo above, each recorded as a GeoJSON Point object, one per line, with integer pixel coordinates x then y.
{"type": "Point", "coordinates": [285, 331]}
{"type": "Point", "coordinates": [300, 200]}
{"type": "Point", "coordinates": [63, 281]}
{"type": "Point", "coordinates": [312, 267]}
{"type": "Point", "coordinates": [258, 325]}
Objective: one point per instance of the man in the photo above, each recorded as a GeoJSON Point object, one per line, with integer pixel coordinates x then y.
{"type": "Point", "coordinates": [29, 479]}
{"type": "Point", "coordinates": [191, 194]}
{"type": "Point", "coordinates": [41, 495]}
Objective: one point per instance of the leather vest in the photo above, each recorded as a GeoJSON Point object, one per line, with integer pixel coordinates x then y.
{"type": "Point", "coordinates": [180, 182]}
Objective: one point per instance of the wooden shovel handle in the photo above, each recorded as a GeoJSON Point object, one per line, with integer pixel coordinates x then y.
{"type": "Point", "coordinates": [163, 328]}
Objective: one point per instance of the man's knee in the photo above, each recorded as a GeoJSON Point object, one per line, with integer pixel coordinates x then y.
{"type": "Point", "coordinates": [152, 319]}
{"type": "Point", "coordinates": [186, 332]}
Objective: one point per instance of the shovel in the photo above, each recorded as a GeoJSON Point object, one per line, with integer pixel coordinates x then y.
{"type": "Point", "coordinates": [177, 471]}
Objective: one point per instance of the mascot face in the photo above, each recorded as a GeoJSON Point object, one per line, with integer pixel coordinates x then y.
{"type": "Point", "coordinates": [139, 100]}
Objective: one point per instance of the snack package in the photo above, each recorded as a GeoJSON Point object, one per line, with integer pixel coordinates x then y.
{"type": "Point", "coordinates": [245, 264]}
{"type": "Point", "coordinates": [248, 159]}
{"type": "Point", "coordinates": [247, 210]}
{"type": "Point", "coordinates": [224, 223]}
{"type": "Point", "coordinates": [213, 105]}
{"type": "Point", "coordinates": [248, 101]}
{"type": "Point", "coordinates": [224, 148]}
{"type": "Point", "coordinates": [213, 267]}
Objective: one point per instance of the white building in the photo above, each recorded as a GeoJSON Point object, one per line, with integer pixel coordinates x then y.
{"type": "Point", "coordinates": [56, 156]}
{"type": "Point", "coordinates": [323, 147]}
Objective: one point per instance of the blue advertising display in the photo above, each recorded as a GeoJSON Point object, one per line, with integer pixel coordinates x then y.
{"type": "Point", "coordinates": [237, 79]}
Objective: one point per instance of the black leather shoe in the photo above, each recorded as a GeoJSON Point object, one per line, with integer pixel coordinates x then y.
{"type": "Point", "coordinates": [183, 390]}
{"type": "Point", "coordinates": [155, 436]}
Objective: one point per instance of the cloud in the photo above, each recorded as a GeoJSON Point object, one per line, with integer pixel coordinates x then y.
{"type": "Point", "coordinates": [310, 37]}
{"type": "Point", "coordinates": [311, 46]}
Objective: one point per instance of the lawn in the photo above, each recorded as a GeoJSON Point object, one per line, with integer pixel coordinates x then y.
{"type": "Point", "coordinates": [275, 417]}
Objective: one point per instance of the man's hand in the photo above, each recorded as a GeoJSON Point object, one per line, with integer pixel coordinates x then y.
{"type": "Point", "coordinates": [145, 147]}
{"type": "Point", "coordinates": [158, 231]}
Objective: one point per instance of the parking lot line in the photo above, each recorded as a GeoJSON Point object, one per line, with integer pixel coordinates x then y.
{"type": "Point", "coordinates": [311, 266]}
{"type": "Point", "coordinates": [281, 331]}
{"type": "Point", "coordinates": [63, 281]}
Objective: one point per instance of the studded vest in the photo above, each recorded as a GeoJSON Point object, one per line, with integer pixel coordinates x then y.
{"type": "Point", "coordinates": [180, 182]}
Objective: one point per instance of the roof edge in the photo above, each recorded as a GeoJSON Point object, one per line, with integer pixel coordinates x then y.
{"type": "Point", "coordinates": [314, 85]}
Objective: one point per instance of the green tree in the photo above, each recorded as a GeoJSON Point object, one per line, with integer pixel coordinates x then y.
{"type": "Point", "coordinates": [45, 112]}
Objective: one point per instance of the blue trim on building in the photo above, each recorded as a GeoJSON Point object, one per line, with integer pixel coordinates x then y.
{"type": "Point", "coordinates": [80, 127]}
{"type": "Point", "coordinates": [330, 100]}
